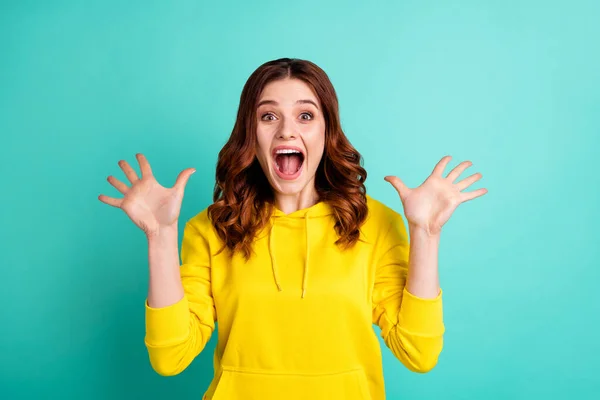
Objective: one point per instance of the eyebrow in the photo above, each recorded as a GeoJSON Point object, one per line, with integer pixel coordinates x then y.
{"type": "Point", "coordinates": [273, 102]}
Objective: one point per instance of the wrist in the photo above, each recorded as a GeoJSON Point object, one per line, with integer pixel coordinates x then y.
{"type": "Point", "coordinates": [422, 232]}
{"type": "Point", "coordinates": [162, 232]}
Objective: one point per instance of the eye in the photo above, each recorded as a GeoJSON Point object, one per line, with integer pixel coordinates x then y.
{"type": "Point", "coordinates": [267, 117]}
{"type": "Point", "coordinates": [307, 114]}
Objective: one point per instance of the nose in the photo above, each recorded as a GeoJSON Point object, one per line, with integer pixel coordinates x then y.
{"type": "Point", "coordinates": [287, 131]}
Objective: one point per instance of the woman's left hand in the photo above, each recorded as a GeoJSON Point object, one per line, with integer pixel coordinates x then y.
{"type": "Point", "coordinates": [430, 205]}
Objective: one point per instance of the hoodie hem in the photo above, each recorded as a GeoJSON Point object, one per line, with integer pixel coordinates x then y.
{"type": "Point", "coordinates": [255, 371]}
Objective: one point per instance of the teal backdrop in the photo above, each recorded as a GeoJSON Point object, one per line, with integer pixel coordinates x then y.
{"type": "Point", "coordinates": [513, 86]}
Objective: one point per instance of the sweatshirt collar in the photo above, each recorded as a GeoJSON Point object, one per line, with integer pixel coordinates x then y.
{"type": "Point", "coordinates": [319, 209]}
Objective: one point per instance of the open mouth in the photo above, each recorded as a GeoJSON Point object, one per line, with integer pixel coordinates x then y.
{"type": "Point", "coordinates": [288, 162]}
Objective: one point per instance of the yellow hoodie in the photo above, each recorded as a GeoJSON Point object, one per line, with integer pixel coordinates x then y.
{"type": "Point", "coordinates": [295, 322]}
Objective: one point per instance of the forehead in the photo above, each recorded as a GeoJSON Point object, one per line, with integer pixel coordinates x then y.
{"type": "Point", "coordinates": [288, 91]}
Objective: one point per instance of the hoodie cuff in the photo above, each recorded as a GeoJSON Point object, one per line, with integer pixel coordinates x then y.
{"type": "Point", "coordinates": [167, 325]}
{"type": "Point", "coordinates": [420, 316]}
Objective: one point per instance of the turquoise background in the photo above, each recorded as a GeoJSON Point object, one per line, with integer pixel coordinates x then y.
{"type": "Point", "coordinates": [513, 86]}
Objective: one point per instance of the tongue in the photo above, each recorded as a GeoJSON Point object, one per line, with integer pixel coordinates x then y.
{"type": "Point", "coordinates": [289, 164]}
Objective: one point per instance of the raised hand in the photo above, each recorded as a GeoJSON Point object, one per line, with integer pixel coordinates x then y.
{"type": "Point", "coordinates": [430, 205]}
{"type": "Point", "coordinates": [148, 204]}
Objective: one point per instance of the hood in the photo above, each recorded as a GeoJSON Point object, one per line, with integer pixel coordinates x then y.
{"type": "Point", "coordinates": [309, 215]}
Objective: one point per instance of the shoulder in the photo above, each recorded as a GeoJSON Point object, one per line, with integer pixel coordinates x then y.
{"type": "Point", "coordinates": [200, 224]}
{"type": "Point", "coordinates": [200, 221]}
{"type": "Point", "coordinates": [381, 219]}
{"type": "Point", "coordinates": [381, 214]}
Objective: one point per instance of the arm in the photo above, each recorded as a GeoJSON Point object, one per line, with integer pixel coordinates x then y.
{"type": "Point", "coordinates": [415, 335]}
{"type": "Point", "coordinates": [164, 286]}
{"type": "Point", "coordinates": [180, 311]}
{"type": "Point", "coordinates": [423, 275]}
{"type": "Point", "coordinates": [411, 322]}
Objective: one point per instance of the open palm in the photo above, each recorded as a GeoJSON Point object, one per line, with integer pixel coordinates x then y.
{"type": "Point", "coordinates": [430, 205]}
{"type": "Point", "coordinates": [148, 204]}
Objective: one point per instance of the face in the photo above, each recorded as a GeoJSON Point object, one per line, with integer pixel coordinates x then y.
{"type": "Point", "coordinates": [291, 136]}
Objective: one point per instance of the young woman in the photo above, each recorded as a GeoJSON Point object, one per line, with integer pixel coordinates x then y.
{"type": "Point", "coordinates": [293, 260]}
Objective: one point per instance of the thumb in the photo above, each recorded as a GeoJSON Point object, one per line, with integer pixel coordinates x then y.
{"type": "Point", "coordinates": [400, 187]}
{"type": "Point", "coordinates": [183, 178]}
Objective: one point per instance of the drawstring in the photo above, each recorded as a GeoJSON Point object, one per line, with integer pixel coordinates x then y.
{"type": "Point", "coordinates": [307, 253]}
{"type": "Point", "coordinates": [272, 253]}
{"type": "Point", "coordinates": [274, 263]}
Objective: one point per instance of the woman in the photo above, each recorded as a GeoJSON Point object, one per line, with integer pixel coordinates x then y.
{"type": "Point", "coordinates": [293, 260]}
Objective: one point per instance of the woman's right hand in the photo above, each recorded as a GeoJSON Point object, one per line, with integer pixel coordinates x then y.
{"type": "Point", "coordinates": [148, 204]}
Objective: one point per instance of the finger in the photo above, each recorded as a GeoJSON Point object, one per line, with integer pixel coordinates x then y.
{"type": "Point", "coordinates": [468, 181]}
{"type": "Point", "coordinates": [129, 172]}
{"type": "Point", "coordinates": [111, 201]}
{"type": "Point", "coordinates": [459, 169]}
{"type": "Point", "coordinates": [441, 166]}
{"type": "Point", "coordinates": [183, 178]}
{"type": "Point", "coordinates": [472, 195]}
{"type": "Point", "coordinates": [144, 165]}
{"type": "Point", "coordinates": [120, 186]}
{"type": "Point", "coordinates": [400, 187]}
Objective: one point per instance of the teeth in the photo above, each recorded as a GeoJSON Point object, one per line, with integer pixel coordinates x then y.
{"type": "Point", "coordinates": [287, 151]}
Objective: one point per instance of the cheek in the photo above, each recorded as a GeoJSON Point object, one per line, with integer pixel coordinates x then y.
{"type": "Point", "coordinates": [262, 148]}
{"type": "Point", "coordinates": [263, 139]}
{"type": "Point", "coordinates": [316, 147]}
{"type": "Point", "coordinates": [260, 137]}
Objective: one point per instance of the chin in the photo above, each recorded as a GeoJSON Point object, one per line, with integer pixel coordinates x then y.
{"type": "Point", "coordinates": [289, 186]}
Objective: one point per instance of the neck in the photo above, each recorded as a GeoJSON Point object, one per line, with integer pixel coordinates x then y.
{"type": "Point", "coordinates": [289, 203]}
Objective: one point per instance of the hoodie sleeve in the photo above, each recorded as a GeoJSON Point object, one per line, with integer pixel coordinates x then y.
{"type": "Point", "coordinates": [176, 334]}
{"type": "Point", "coordinates": [412, 327]}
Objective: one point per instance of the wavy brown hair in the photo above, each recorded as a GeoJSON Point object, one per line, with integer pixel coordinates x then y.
{"type": "Point", "coordinates": [243, 198]}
